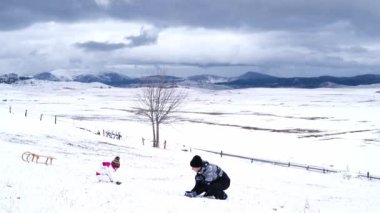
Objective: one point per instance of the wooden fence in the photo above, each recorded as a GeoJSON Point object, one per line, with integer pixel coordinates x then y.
{"type": "Point", "coordinates": [289, 164]}
{"type": "Point", "coordinates": [368, 176]}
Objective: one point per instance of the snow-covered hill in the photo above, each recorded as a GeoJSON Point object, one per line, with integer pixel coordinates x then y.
{"type": "Point", "coordinates": [210, 79]}
{"type": "Point", "coordinates": [246, 80]}
{"type": "Point", "coordinates": [154, 180]}
{"type": "Point", "coordinates": [55, 75]}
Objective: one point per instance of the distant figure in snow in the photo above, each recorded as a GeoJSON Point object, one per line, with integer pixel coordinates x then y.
{"type": "Point", "coordinates": [107, 171]}
{"type": "Point", "coordinates": [210, 178]}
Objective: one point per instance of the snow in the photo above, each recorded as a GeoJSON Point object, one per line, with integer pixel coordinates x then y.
{"type": "Point", "coordinates": [62, 74]}
{"type": "Point", "coordinates": [154, 180]}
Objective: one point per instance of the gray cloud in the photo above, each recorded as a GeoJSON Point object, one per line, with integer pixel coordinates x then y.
{"type": "Point", "coordinates": [22, 13]}
{"type": "Point", "coordinates": [145, 38]}
{"type": "Point", "coordinates": [290, 36]}
{"type": "Point", "coordinates": [364, 15]}
{"type": "Point", "coordinates": [99, 46]}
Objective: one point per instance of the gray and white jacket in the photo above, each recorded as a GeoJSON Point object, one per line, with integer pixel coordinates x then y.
{"type": "Point", "coordinates": [209, 173]}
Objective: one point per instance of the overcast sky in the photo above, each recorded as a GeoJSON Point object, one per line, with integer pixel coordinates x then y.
{"type": "Point", "coordinates": [189, 37]}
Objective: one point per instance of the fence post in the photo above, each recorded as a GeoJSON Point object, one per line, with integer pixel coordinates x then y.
{"type": "Point", "coordinates": [221, 154]}
{"type": "Point", "coordinates": [41, 117]}
{"type": "Point", "coordinates": [165, 144]}
{"type": "Point", "coordinates": [10, 109]}
{"type": "Point", "coordinates": [251, 160]}
{"type": "Point", "coordinates": [26, 112]}
{"type": "Point", "coordinates": [288, 164]}
{"type": "Point", "coordinates": [142, 140]}
{"type": "Point", "coordinates": [368, 175]}
{"type": "Point", "coordinates": [55, 119]}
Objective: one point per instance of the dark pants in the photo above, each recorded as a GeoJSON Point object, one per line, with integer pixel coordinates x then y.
{"type": "Point", "coordinates": [216, 188]}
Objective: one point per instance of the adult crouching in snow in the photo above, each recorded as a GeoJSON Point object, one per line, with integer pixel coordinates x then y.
{"type": "Point", "coordinates": [107, 171]}
{"type": "Point", "coordinates": [210, 179]}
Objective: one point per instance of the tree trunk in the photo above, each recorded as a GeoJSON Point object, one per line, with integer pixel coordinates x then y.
{"type": "Point", "coordinates": [157, 135]}
{"type": "Point", "coordinates": [154, 134]}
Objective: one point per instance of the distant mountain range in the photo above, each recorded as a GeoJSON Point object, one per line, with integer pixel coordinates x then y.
{"type": "Point", "coordinates": [12, 78]}
{"type": "Point", "coordinates": [247, 80]}
{"type": "Point", "coordinates": [252, 79]}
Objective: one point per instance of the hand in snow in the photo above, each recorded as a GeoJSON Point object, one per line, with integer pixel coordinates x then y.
{"type": "Point", "coordinates": [190, 194]}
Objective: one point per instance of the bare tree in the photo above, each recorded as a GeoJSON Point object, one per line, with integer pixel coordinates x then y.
{"type": "Point", "coordinates": [158, 102]}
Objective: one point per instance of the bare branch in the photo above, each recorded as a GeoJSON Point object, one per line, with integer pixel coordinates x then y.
{"type": "Point", "coordinates": [158, 102]}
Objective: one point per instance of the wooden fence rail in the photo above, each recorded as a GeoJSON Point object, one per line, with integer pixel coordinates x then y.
{"type": "Point", "coordinates": [289, 164]}
{"type": "Point", "coordinates": [369, 176]}
{"type": "Point", "coordinates": [278, 163]}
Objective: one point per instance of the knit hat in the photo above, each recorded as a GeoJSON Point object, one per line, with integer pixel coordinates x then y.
{"type": "Point", "coordinates": [116, 162]}
{"type": "Point", "coordinates": [196, 161]}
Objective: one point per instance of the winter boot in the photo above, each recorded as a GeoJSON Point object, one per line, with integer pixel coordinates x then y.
{"type": "Point", "coordinates": [223, 196]}
{"type": "Point", "coordinates": [206, 195]}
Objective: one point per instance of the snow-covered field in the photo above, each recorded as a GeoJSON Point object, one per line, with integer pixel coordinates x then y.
{"type": "Point", "coordinates": [337, 129]}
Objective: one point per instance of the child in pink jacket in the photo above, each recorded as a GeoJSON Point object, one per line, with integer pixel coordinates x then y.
{"type": "Point", "coordinates": [107, 171]}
